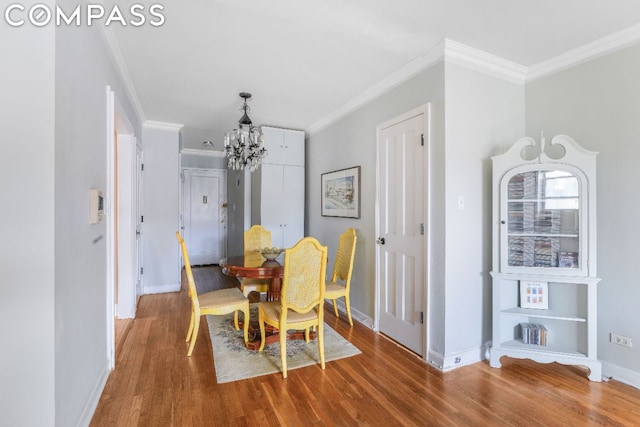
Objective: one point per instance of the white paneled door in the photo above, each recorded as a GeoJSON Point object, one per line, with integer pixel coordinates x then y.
{"type": "Point", "coordinates": [204, 215]}
{"type": "Point", "coordinates": [401, 229]}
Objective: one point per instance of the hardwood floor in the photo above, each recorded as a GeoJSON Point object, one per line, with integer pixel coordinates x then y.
{"type": "Point", "coordinates": [156, 384]}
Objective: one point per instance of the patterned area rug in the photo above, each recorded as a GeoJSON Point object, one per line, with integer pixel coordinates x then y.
{"type": "Point", "coordinates": [233, 361]}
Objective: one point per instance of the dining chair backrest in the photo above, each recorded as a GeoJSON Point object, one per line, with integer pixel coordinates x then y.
{"type": "Point", "coordinates": [303, 282]}
{"type": "Point", "coordinates": [343, 266]}
{"type": "Point", "coordinates": [301, 298]}
{"type": "Point", "coordinates": [191, 283]}
{"type": "Point", "coordinates": [256, 237]}
{"type": "Point", "coordinates": [340, 283]}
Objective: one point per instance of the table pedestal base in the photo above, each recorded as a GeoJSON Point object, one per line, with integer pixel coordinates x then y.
{"type": "Point", "coordinates": [272, 335]}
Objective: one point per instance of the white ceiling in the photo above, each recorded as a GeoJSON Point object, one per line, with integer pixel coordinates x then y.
{"type": "Point", "coordinates": [302, 59]}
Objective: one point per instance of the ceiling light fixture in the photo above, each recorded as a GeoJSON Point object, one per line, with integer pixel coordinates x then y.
{"type": "Point", "coordinates": [243, 146]}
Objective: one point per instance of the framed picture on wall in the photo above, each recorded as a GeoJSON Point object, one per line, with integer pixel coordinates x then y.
{"type": "Point", "coordinates": [340, 193]}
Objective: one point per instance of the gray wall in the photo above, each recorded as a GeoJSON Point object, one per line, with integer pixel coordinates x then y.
{"type": "Point", "coordinates": [83, 70]}
{"type": "Point", "coordinates": [203, 161]}
{"type": "Point", "coordinates": [53, 301]}
{"type": "Point", "coordinates": [53, 298]}
{"type": "Point", "coordinates": [484, 116]}
{"type": "Point", "coordinates": [473, 116]}
{"type": "Point", "coordinates": [598, 104]}
{"type": "Point", "coordinates": [161, 209]}
{"type": "Point", "coordinates": [351, 141]}
{"type": "Point", "coordinates": [238, 210]}
{"type": "Point", "coordinates": [27, 328]}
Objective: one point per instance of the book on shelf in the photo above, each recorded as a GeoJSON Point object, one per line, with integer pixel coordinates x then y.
{"type": "Point", "coordinates": [568, 259]}
{"type": "Point", "coordinates": [533, 333]}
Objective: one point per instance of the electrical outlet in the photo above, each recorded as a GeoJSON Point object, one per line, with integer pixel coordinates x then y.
{"type": "Point", "coordinates": [620, 340]}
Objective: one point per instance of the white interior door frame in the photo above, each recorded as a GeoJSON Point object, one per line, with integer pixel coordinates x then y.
{"type": "Point", "coordinates": [425, 110]}
{"type": "Point", "coordinates": [126, 228]}
{"type": "Point", "coordinates": [110, 225]}
{"type": "Point", "coordinates": [116, 123]}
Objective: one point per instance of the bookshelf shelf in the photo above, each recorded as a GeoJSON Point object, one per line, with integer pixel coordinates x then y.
{"type": "Point", "coordinates": [547, 350]}
{"type": "Point", "coordinates": [544, 314]}
{"type": "Point", "coordinates": [544, 241]}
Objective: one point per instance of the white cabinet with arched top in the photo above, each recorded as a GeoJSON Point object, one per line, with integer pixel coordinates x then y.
{"type": "Point", "coordinates": [544, 254]}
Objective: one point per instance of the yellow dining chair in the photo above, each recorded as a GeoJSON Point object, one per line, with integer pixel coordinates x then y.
{"type": "Point", "coordinates": [223, 301]}
{"type": "Point", "coordinates": [343, 267]}
{"type": "Point", "coordinates": [257, 237]}
{"type": "Point", "coordinates": [301, 299]}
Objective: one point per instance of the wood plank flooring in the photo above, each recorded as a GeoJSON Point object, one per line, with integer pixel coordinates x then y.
{"type": "Point", "coordinates": [156, 384]}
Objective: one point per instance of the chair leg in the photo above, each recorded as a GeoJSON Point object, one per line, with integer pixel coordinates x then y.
{"type": "Point", "coordinates": [192, 344]}
{"type": "Point", "coordinates": [347, 304]}
{"type": "Point", "coordinates": [245, 326]}
{"type": "Point", "coordinates": [235, 320]}
{"type": "Point", "coordinates": [190, 331]}
{"type": "Point", "coordinates": [262, 331]}
{"type": "Point", "coordinates": [321, 343]}
{"type": "Point", "coordinates": [335, 307]}
{"type": "Point", "coordinates": [283, 351]}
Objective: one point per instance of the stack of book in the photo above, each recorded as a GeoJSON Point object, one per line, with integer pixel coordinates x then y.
{"type": "Point", "coordinates": [533, 333]}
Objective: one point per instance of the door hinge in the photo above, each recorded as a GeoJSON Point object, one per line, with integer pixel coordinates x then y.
{"type": "Point", "coordinates": [141, 218]}
{"type": "Point", "coordinates": [422, 228]}
{"type": "Point", "coordinates": [142, 167]}
{"type": "Point", "coordinates": [422, 317]}
{"type": "Point", "coordinates": [422, 139]}
{"type": "Point", "coordinates": [141, 270]}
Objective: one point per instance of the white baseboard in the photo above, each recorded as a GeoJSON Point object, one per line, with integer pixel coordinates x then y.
{"type": "Point", "coordinates": [356, 315]}
{"type": "Point", "coordinates": [456, 360]}
{"type": "Point", "coordinates": [618, 373]}
{"type": "Point", "coordinates": [125, 312]}
{"type": "Point", "coordinates": [160, 289]}
{"type": "Point", "coordinates": [94, 398]}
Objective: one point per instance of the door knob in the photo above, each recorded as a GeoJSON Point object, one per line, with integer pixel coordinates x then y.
{"type": "Point", "coordinates": [380, 240]}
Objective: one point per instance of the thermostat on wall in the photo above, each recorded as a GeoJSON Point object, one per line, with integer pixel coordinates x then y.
{"type": "Point", "coordinates": [96, 206]}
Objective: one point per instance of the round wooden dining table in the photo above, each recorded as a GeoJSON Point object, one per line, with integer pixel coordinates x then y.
{"type": "Point", "coordinates": [239, 266]}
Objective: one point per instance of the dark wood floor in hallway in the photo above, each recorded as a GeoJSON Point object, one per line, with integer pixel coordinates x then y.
{"type": "Point", "coordinates": [156, 384]}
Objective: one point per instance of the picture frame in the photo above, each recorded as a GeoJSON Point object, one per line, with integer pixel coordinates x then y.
{"type": "Point", "coordinates": [340, 193]}
{"type": "Point", "coordinates": [534, 295]}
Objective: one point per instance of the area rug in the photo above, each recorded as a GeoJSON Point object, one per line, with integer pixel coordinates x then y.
{"type": "Point", "coordinates": [233, 361]}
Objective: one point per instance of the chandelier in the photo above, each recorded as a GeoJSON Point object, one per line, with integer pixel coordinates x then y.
{"type": "Point", "coordinates": [243, 146]}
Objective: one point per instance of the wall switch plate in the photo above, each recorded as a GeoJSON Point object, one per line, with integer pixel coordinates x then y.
{"type": "Point", "coordinates": [621, 340]}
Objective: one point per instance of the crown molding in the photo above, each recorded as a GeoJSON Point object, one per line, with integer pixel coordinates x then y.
{"type": "Point", "coordinates": [484, 62]}
{"type": "Point", "coordinates": [448, 50]}
{"type": "Point", "coordinates": [197, 152]}
{"type": "Point", "coordinates": [608, 44]}
{"type": "Point", "coordinates": [173, 127]}
{"type": "Point", "coordinates": [458, 53]}
{"type": "Point", "coordinates": [121, 69]}
{"type": "Point", "coordinates": [405, 73]}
